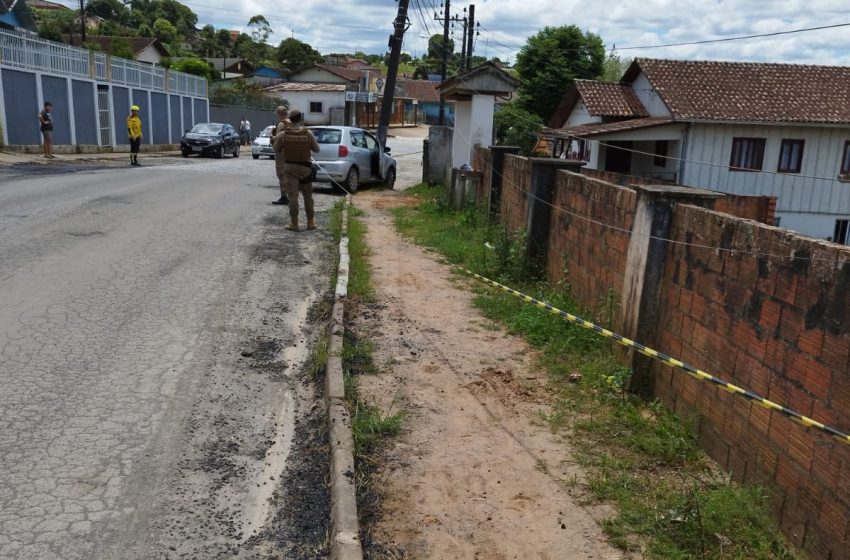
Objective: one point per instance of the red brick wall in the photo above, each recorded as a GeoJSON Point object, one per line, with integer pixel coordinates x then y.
{"type": "Point", "coordinates": [516, 183]}
{"type": "Point", "coordinates": [759, 208]}
{"type": "Point", "coordinates": [481, 162]}
{"type": "Point", "coordinates": [780, 328]}
{"type": "Point", "coordinates": [590, 257]}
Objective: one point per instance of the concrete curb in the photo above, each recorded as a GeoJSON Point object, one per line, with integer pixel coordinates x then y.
{"type": "Point", "coordinates": [345, 529]}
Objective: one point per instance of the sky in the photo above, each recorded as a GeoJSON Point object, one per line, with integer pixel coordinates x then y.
{"type": "Point", "coordinates": [365, 25]}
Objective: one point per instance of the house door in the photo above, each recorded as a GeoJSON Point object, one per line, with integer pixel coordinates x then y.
{"type": "Point", "coordinates": [104, 125]}
{"type": "Point", "coordinates": [618, 158]}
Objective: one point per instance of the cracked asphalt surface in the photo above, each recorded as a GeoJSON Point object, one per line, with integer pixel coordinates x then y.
{"type": "Point", "coordinates": [154, 328]}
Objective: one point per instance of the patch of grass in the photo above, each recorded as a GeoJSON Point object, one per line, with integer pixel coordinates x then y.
{"type": "Point", "coordinates": [671, 503]}
{"type": "Point", "coordinates": [359, 274]}
{"type": "Point", "coordinates": [318, 363]}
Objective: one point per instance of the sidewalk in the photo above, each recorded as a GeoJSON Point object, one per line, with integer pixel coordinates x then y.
{"type": "Point", "coordinates": [17, 158]}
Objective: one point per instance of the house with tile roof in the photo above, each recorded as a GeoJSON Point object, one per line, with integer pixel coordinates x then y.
{"type": "Point", "coordinates": [780, 130]}
{"type": "Point", "coordinates": [145, 49]}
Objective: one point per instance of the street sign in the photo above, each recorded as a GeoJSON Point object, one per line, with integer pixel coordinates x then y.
{"type": "Point", "coordinates": [379, 83]}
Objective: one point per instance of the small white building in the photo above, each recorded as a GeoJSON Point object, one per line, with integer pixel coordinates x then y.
{"type": "Point", "coordinates": [320, 103]}
{"type": "Point", "coordinates": [780, 130]}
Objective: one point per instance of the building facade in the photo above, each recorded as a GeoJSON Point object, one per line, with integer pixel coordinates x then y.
{"type": "Point", "coordinates": [778, 130]}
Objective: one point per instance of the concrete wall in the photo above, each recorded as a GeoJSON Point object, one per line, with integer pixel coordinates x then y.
{"type": "Point", "coordinates": [731, 302]}
{"type": "Point", "coordinates": [260, 118]}
{"type": "Point", "coordinates": [75, 110]}
{"type": "Point", "coordinates": [439, 158]}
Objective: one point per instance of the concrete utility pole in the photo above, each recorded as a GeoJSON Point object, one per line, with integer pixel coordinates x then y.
{"type": "Point", "coordinates": [445, 66]}
{"type": "Point", "coordinates": [470, 35]}
{"type": "Point", "coordinates": [463, 44]}
{"type": "Point", "coordinates": [401, 24]}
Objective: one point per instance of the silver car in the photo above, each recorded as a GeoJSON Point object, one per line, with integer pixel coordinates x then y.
{"type": "Point", "coordinates": [351, 156]}
{"type": "Point", "coordinates": [261, 146]}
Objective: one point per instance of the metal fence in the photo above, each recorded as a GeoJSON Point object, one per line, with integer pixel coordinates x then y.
{"type": "Point", "coordinates": [22, 50]}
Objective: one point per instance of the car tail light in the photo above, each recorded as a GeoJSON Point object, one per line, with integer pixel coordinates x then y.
{"type": "Point", "coordinates": [343, 150]}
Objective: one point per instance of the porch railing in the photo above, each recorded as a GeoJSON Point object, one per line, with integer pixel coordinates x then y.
{"type": "Point", "coordinates": [22, 50]}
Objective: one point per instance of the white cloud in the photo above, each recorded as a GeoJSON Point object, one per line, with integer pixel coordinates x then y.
{"type": "Point", "coordinates": [349, 25]}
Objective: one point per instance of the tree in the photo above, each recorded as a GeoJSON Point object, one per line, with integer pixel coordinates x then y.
{"type": "Point", "coordinates": [551, 60]}
{"type": "Point", "coordinates": [120, 47]}
{"type": "Point", "coordinates": [111, 10]}
{"type": "Point", "coordinates": [297, 55]}
{"type": "Point", "coordinates": [260, 29]}
{"type": "Point", "coordinates": [614, 67]}
{"type": "Point", "coordinates": [514, 126]}
{"type": "Point", "coordinates": [164, 31]}
{"type": "Point", "coordinates": [194, 66]}
{"type": "Point", "coordinates": [435, 47]}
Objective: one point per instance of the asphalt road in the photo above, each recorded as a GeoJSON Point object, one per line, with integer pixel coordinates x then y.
{"type": "Point", "coordinates": [154, 327]}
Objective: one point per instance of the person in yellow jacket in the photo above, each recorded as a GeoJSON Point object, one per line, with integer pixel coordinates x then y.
{"type": "Point", "coordinates": [134, 132]}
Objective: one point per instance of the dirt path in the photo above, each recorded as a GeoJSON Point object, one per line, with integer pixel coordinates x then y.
{"type": "Point", "coordinates": [474, 475]}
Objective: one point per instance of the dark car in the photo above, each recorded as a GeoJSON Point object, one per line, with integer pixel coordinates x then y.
{"type": "Point", "coordinates": [210, 139]}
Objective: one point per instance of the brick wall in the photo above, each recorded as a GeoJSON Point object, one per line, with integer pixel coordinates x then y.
{"type": "Point", "coordinates": [775, 326]}
{"type": "Point", "coordinates": [759, 208]}
{"type": "Point", "coordinates": [742, 310]}
{"type": "Point", "coordinates": [587, 255]}
{"type": "Point", "coordinates": [481, 162]}
{"type": "Point", "coordinates": [516, 183]}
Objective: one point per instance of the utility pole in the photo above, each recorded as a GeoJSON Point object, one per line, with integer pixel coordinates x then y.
{"type": "Point", "coordinates": [401, 24]}
{"type": "Point", "coordinates": [83, 21]}
{"type": "Point", "coordinates": [445, 65]}
{"type": "Point", "coordinates": [463, 44]}
{"type": "Point", "coordinates": [470, 35]}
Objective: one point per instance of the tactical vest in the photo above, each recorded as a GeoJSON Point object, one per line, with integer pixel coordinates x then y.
{"type": "Point", "coordinates": [296, 146]}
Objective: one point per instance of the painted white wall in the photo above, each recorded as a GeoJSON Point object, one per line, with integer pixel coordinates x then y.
{"type": "Point", "coordinates": [820, 226]}
{"type": "Point", "coordinates": [796, 192]}
{"type": "Point", "coordinates": [580, 115]}
{"type": "Point", "coordinates": [301, 100]}
{"type": "Point", "coordinates": [643, 164]}
{"type": "Point", "coordinates": [461, 145]}
{"type": "Point", "coordinates": [651, 100]}
{"type": "Point", "coordinates": [149, 54]}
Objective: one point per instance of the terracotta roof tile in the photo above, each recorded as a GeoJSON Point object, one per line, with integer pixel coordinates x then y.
{"type": "Point", "coordinates": [749, 92]}
{"type": "Point", "coordinates": [610, 99]}
{"type": "Point", "coordinates": [593, 129]}
{"type": "Point", "coordinates": [423, 90]}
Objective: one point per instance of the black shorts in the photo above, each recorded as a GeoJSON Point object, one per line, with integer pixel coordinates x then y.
{"type": "Point", "coordinates": [134, 145]}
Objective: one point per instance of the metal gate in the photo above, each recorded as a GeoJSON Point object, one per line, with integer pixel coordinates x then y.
{"type": "Point", "coordinates": [103, 116]}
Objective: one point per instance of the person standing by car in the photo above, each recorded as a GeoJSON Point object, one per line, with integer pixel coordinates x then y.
{"type": "Point", "coordinates": [293, 147]}
{"type": "Point", "coordinates": [45, 121]}
{"type": "Point", "coordinates": [134, 133]}
{"type": "Point", "coordinates": [245, 131]}
{"type": "Point", "coordinates": [282, 124]}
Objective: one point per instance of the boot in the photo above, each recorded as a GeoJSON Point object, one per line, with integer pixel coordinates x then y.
{"type": "Point", "coordinates": [311, 224]}
{"type": "Point", "coordinates": [293, 226]}
{"type": "Point", "coordinates": [283, 200]}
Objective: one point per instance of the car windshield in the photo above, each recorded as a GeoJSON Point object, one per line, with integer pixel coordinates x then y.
{"type": "Point", "coordinates": [267, 132]}
{"type": "Point", "coordinates": [327, 135]}
{"type": "Point", "coordinates": [207, 128]}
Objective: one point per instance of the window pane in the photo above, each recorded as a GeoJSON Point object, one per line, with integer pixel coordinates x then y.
{"type": "Point", "coordinates": [845, 161]}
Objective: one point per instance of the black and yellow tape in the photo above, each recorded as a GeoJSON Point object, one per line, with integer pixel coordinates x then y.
{"type": "Point", "coordinates": [677, 364]}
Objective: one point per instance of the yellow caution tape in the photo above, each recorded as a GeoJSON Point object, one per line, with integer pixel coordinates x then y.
{"type": "Point", "coordinates": [665, 359]}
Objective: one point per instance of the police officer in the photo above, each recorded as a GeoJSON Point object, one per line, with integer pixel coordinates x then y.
{"type": "Point", "coordinates": [293, 147]}
{"type": "Point", "coordinates": [281, 125]}
{"type": "Point", "coordinates": [134, 132]}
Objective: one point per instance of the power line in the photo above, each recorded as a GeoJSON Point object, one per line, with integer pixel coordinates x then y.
{"type": "Point", "coordinates": [739, 38]}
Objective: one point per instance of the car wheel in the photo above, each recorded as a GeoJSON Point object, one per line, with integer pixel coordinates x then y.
{"type": "Point", "coordinates": [352, 180]}
{"type": "Point", "coordinates": [236, 151]}
{"type": "Point", "coordinates": [184, 153]}
{"type": "Point", "coordinates": [220, 153]}
{"type": "Point", "coordinates": [389, 180]}
{"type": "Point", "coordinates": [255, 156]}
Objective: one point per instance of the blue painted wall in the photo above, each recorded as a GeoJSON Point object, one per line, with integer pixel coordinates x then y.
{"type": "Point", "coordinates": [19, 90]}
{"type": "Point", "coordinates": [140, 98]}
{"type": "Point", "coordinates": [159, 118]}
{"type": "Point", "coordinates": [201, 111]}
{"type": "Point", "coordinates": [120, 112]}
{"type": "Point", "coordinates": [85, 113]}
{"type": "Point", "coordinates": [176, 123]}
{"type": "Point", "coordinates": [55, 90]}
{"type": "Point", "coordinates": [187, 113]}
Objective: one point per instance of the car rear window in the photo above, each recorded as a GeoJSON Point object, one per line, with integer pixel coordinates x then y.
{"type": "Point", "coordinates": [327, 135]}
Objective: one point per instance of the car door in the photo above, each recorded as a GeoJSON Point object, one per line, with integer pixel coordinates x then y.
{"type": "Point", "coordinates": [374, 156]}
{"type": "Point", "coordinates": [231, 138]}
{"type": "Point", "coordinates": [362, 156]}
